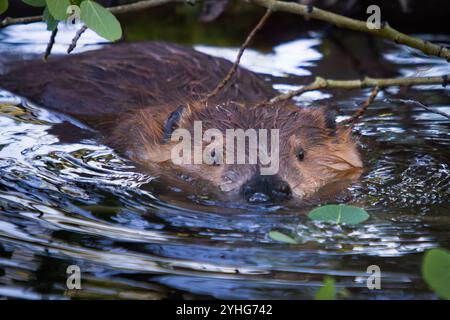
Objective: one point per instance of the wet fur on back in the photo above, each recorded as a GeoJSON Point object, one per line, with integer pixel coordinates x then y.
{"type": "Point", "coordinates": [124, 77]}
{"type": "Point", "coordinates": [135, 93]}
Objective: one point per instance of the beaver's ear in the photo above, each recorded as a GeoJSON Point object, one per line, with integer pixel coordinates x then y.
{"type": "Point", "coordinates": [330, 120]}
{"type": "Point", "coordinates": [345, 151]}
{"type": "Point", "coordinates": [172, 123]}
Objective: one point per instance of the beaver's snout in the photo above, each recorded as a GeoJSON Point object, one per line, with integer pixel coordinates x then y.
{"type": "Point", "coordinates": [270, 188]}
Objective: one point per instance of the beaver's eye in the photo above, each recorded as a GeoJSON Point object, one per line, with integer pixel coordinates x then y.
{"type": "Point", "coordinates": [300, 154]}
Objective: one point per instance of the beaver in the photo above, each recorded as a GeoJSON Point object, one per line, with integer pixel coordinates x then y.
{"type": "Point", "coordinates": [137, 94]}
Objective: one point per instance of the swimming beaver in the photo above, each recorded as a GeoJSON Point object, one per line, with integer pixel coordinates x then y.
{"type": "Point", "coordinates": [137, 94]}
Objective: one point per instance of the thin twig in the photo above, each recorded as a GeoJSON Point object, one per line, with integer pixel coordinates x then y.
{"type": "Point", "coordinates": [136, 6]}
{"type": "Point", "coordinates": [316, 85]}
{"type": "Point", "coordinates": [321, 83]}
{"type": "Point", "coordinates": [142, 5]}
{"type": "Point", "coordinates": [419, 104]}
{"type": "Point", "coordinates": [8, 20]}
{"type": "Point", "coordinates": [235, 65]}
{"type": "Point", "coordinates": [361, 110]}
{"type": "Point", "coordinates": [50, 44]}
{"type": "Point", "coordinates": [75, 39]}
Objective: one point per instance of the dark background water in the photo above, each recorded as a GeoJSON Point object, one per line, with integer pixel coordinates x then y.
{"type": "Point", "coordinates": [75, 202]}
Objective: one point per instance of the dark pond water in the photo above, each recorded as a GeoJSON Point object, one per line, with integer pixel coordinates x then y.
{"type": "Point", "coordinates": [78, 203]}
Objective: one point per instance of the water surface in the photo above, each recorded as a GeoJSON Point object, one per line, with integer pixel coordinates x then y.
{"type": "Point", "coordinates": [75, 202]}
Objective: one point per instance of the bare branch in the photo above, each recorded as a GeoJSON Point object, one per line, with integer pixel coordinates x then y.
{"type": "Point", "coordinates": [361, 110]}
{"type": "Point", "coordinates": [75, 39]}
{"type": "Point", "coordinates": [340, 21]}
{"type": "Point", "coordinates": [419, 104]}
{"type": "Point", "coordinates": [321, 83]}
{"type": "Point", "coordinates": [137, 6]}
{"type": "Point", "coordinates": [235, 65]}
{"type": "Point", "coordinates": [8, 21]}
{"type": "Point", "coordinates": [50, 44]}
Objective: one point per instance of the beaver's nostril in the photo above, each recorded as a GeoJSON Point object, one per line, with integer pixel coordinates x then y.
{"type": "Point", "coordinates": [283, 187]}
{"type": "Point", "coordinates": [281, 192]}
{"type": "Point", "coordinates": [253, 192]}
{"type": "Point", "coordinates": [265, 189]}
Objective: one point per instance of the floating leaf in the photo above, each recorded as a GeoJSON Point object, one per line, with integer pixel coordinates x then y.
{"type": "Point", "coordinates": [52, 23]}
{"type": "Point", "coordinates": [339, 214]}
{"type": "Point", "coordinates": [58, 8]}
{"type": "Point", "coordinates": [3, 6]}
{"type": "Point", "coordinates": [327, 291]}
{"type": "Point", "coordinates": [36, 3]}
{"type": "Point", "coordinates": [278, 236]}
{"type": "Point", "coordinates": [99, 19]}
{"type": "Point", "coordinates": [436, 271]}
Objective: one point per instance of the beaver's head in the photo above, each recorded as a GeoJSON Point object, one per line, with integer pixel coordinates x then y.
{"type": "Point", "coordinates": [312, 151]}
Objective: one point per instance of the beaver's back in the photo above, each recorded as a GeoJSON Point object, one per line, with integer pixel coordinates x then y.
{"type": "Point", "coordinates": [127, 76]}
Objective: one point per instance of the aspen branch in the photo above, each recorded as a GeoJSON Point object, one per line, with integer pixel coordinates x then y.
{"type": "Point", "coordinates": [9, 21]}
{"type": "Point", "coordinates": [321, 83]}
{"type": "Point", "coordinates": [385, 31]}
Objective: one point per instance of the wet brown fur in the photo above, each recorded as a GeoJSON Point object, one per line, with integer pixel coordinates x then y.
{"type": "Point", "coordinates": [127, 91]}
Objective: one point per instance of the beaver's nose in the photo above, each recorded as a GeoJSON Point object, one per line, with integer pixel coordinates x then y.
{"type": "Point", "coordinates": [262, 188]}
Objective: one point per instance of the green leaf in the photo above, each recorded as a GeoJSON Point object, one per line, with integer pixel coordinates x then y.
{"type": "Point", "coordinates": [3, 6]}
{"type": "Point", "coordinates": [58, 8]}
{"type": "Point", "coordinates": [99, 19]}
{"type": "Point", "coordinates": [36, 3]}
{"type": "Point", "coordinates": [339, 214]}
{"type": "Point", "coordinates": [436, 271]}
{"type": "Point", "coordinates": [327, 291]}
{"type": "Point", "coordinates": [52, 23]}
{"type": "Point", "coordinates": [278, 236]}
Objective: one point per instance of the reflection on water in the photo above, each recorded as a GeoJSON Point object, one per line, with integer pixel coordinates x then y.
{"type": "Point", "coordinates": [33, 38]}
{"type": "Point", "coordinates": [283, 60]}
{"type": "Point", "coordinates": [77, 202]}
